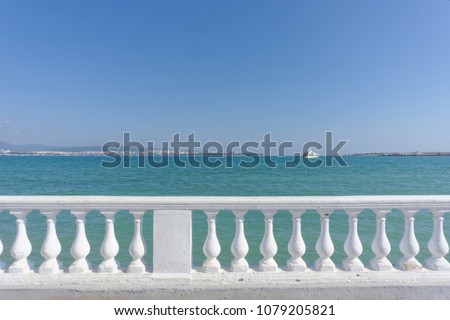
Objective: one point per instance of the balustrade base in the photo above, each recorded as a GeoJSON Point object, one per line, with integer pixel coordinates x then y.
{"type": "Point", "coordinates": [265, 266]}
{"type": "Point", "coordinates": [439, 264]}
{"type": "Point", "coordinates": [353, 265]}
{"type": "Point", "coordinates": [80, 266]}
{"type": "Point", "coordinates": [381, 264]}
{"type": "Point", "coordinates": [136, 267]}
{"type": "Point", "coordinates": [21, 266]}
{"type": "Point", "coordinates": [51, 267]}
{"type": "Point", "coordinates": [212, 270]}
{"type": "Point", "coordinates": [239, 265]}
{"type": "Point", "coordinates": [297, 265]}
{"type": "Point", "coordinates": [324, 265]}
{"type": "Point", "coordinates": [408, 264]}
{"type": "Point", "coordinates": [108, 266]}
{"type": "Point", "coordinates": [212, 266]}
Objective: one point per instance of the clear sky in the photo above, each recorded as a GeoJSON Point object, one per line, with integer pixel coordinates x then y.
{"type": "Point", "coordinates": [374, 72]}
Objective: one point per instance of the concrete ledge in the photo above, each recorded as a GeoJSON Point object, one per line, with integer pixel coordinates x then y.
{"type": "Point", "coordinates": [369, 285]}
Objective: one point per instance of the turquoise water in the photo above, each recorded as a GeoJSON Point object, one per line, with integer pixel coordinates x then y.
{"type": "Point", "coordinates": [85, 176]}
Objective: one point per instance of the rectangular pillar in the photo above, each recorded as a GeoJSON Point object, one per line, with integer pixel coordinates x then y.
{"type": "Point", "coordinates": [172, 242]}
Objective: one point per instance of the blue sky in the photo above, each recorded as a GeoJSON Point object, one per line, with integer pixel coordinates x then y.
{"type": "Point", "coordinates": [82, 72]}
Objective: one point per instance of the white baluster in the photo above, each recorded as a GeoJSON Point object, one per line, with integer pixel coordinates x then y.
{"type": "Point", "coordinates": [324, 246]}
{"type": "Point", "coordinates": [380, 244]}
{"type": "Point", "coordinates": [239, 247]}
{"type": "Point", "coordinates": [211, 247]}
{"type": "Point", "coordinates": [438, 245]}
{"type": "Point", "coordinates": [2, 264]}
{"type": "Point", "coordinates": [409, 245]}
{"type": "Point", "coordinates": [137, 247]}
{"type": "Point", "coordinates": [110, 246]}
{"type": "Point", "coordinates": [80, 247]}
{"type": "Point", "coordinates": [268, 246]}
{"type": "Point", "coordinates": [296, 246]}
{"type": "Point", "coordinates": [21, 247]}
{"type": "Point", "coordinates": [51, 247]}
{"type": "Point", "coordinates": [353, 246]}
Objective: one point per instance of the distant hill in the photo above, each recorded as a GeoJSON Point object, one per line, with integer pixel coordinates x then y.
{"type": "Point", "coordinates": [24, 147]}
{"type": "Point", "coordinates": [43, 147]}
{"type": "Point", "coordinates": [5, 145]}
{"type": "Point", "coordinates": [76, 149]}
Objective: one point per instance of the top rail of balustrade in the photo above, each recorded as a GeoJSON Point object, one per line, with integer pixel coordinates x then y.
{"type": "Point", "coordinates": [105, 203]}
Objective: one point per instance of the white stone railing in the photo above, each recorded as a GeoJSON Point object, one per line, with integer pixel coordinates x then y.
{"type": "Point", "coordinates": [172, 232]}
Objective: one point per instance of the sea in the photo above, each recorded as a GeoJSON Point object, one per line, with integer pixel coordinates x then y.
{"type": "Point", "coordinates": [85, 175]}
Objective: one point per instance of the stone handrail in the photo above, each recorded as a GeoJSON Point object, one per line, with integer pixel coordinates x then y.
{"type": "Point", "coordinates": [172, 232]}
{"type": "Point", "coordinates": [212, 203]}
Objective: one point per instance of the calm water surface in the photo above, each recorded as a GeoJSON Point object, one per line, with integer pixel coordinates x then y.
{"type": "Point", "coordinates": [85, 176]}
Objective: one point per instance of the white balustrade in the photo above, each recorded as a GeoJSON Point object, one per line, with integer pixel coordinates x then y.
{"type": "Point", "coordinates": [51, 247]}
{"type": "Point", "coordinates": [438, 245]}
{"type": "Point", "coordinates": [80, 247]}
{"type": "Point", "coordinates": [353, 246]}
{"type": "Point", "coordinates": [239, 247]}
{"type": "Point", "coordinates": [324, 246]}
{"type": "Point", "coordinates": [380, 244]}
{"type": "Point", "coordinates": [268, 245]}
{"type": "Point", "coordinates": [110, 246]}
{"type": "Point", "coordinates": [172, 250]}
{"type": "Point", "coordinates": [409, 245]}
{"type": "Point", "coordinates": [21, 247]}
{"type": "Point", "coordinates": [211, 248]}
{"type": "Point", "coordinates": [137, 247]}
{"type": "Point", "coordinates": [296, 246]}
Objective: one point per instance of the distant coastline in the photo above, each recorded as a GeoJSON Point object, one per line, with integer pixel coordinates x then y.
{"type": "Point", "coordinates": [400, 154]}
{"type": "Point", "coordinates": [7, 149]}
{"type": "Point", "coordinates": [81, 153]}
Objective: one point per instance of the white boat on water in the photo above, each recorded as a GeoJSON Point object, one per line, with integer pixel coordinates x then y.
{"type": "Point", "coordinates": [311, 154]}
